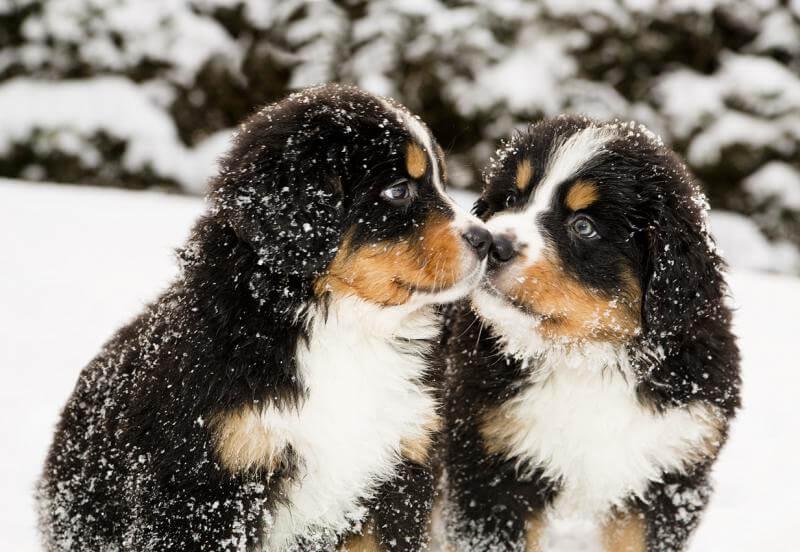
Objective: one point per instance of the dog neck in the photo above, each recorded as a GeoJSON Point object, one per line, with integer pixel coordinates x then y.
{"type": "Point", "coordinates": [587, 357]}
{"type": "Point", "coordinates": [362, 368]}
{"type": "Point", "coordinates": [363, 321]}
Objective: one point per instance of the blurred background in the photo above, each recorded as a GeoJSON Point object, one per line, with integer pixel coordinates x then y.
{"type": "Point", "coordinates": [145, 93]}
{"type": "Point", "coordinates": [97, 96]}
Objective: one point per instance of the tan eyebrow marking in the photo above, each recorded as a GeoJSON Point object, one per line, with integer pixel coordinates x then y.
{"type": "Point", "coordinates": [416, 160]}
{"type": "Point", "coordinates": [524, 174]}
{"type": "Point", "coordinates": [581, 195]}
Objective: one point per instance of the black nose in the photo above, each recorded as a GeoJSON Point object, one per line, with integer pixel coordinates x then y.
{"type": "Point", "coordinates": [479, 238]}
{"type": "Point", "coordinates": [502, 249]}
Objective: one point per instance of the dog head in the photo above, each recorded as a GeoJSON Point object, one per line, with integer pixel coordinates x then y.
{"type": "Point", "coordinates": [600, 235]}
{"type": "Point", "coordinates": [339, 192]}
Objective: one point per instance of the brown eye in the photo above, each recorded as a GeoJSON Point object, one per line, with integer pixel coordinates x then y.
{"type": "Point", "coordinates": [511, 200]}
{"type": "Point", "coordinates": [400, 193]}
{"type": "Point", "coordinates": [584, 227]}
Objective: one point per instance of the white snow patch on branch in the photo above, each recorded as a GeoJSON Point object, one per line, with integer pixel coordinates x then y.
{"type": "Point", "coordinates": [776, 180]}
{"type": "Point", "coordinates": [744, 246]}
{"type": "Point", "coordinates": [734, 128]}
{"type": "Point", "coordinates": [71, 112]}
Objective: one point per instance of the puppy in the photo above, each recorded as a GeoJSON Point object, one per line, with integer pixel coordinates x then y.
{"type": "Point", "coordinates": [278, 395]}
{"type": "Point", "coordinates": [594, 377]}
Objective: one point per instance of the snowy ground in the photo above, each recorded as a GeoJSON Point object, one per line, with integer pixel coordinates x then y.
{"type": "Point", "coordinates": [78, 262]}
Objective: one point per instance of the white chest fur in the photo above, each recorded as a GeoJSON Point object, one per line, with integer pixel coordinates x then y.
{"type": "Point", "coordinates": [364, 396]}
{"type": "Point", "coordinates": [581, 421]}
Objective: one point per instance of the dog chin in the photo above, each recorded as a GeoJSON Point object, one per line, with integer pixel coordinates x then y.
{"type": "Point", "coordinates": [517, 330]}
{"type": "Point", "coordinates": [459, 290]}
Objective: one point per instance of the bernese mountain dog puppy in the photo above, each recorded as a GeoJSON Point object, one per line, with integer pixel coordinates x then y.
{"type": "Point", "coordinates": [278, 395]}
{"type": "Point", "coordinates": [592, 380]}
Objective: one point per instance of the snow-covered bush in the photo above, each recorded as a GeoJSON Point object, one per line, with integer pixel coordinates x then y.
{"type": "Point", "coordinates": [144, 92]}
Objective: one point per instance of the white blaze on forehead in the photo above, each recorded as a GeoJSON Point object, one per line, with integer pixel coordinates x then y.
{"type": "Point", "coordinates": [565, 160]}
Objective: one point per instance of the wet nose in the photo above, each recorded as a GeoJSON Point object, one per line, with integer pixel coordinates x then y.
{"type": "Point", "coordinates": [479, 239]}
{"type": "Point", "coordinates": [502, 249]}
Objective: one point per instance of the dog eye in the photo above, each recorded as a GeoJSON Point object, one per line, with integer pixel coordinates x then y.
{"type": "Point", "coordinates": [400, 193]}
{"type": "Point", "coordinates": [584, 227]}
{"type": "Point", "coordinates": [511, 200]}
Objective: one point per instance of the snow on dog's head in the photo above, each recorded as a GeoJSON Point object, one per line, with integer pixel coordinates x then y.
{"type": "Point", "coordinates": [599, 236]}
{"type": "Point", "coordinates": [342, 193]}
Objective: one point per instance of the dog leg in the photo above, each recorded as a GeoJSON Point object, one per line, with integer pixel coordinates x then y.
{"type": "Point", "coordinates": [673, 508]}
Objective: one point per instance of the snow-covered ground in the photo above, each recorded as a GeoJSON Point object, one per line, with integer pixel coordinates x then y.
{"type": "Point", "coordinates": [75, 263]}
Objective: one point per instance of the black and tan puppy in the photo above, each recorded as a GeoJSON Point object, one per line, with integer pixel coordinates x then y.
{"type": "Point", "coordinates": [278, 395]}
{"type": "Point", "coordinates": [595, 375]}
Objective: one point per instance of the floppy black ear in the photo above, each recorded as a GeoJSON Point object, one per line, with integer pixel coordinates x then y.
{"type": "Point", "coordinates": [686, 323]}
{"type": "Point", "coordinates": [683, 281]}
{"type": "Point", "coordinates": [279, 190]}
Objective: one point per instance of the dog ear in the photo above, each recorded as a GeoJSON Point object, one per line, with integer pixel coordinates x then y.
{"type": "Point", "coordinates": [682, 275]}
{"type": "Point", "coordinates": [280, 191]}
{"type": "Point", "coordinates": [686, 324]}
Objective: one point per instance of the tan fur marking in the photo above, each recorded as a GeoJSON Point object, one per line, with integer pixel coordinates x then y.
{"type": "Point", "coordinates": [625, 533]}
{"type": "Point", "coordinates": [581, 195]}
{"type": "Point", "coordinates": [418, 448]}
{"type": "Point", "coordinates": [709, 447]}
{"type": "Point", "coordinates": [498, 429]}
{"type": "Point", "coordinates": [569, 309]}
{"type": "Point", "coordinates": [534, 529]}
{"type": "Point", "coordinates": [387, 272]}
{"type": "Point", "coordinates": [416, 160]}
{"type": "Point", "coordinates": [243, 443]}
{"type": "Point", "coordinates": [366, 541]}
{"type": "Point", "coordinates": [524, 174]}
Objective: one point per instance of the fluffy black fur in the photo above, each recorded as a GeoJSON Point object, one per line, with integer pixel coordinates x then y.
{"type": "Point", "coordinates": [652, 220]}
{"type": "Point", "coordinates": [132, 465]}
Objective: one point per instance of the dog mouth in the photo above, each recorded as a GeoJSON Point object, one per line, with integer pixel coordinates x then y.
{"type": "Point", "coordinates": [469, 282]}
{"type": "Point", "coordinates": [488, 287]}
